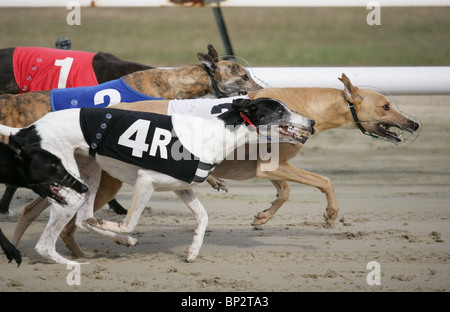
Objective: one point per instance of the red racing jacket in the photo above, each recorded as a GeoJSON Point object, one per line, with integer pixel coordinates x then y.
{"type": "Point", "coordinates": [37, 69]}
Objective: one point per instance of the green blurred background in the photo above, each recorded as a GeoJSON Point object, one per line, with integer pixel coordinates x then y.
{"type": "Point", "coordinates": [262, 36]}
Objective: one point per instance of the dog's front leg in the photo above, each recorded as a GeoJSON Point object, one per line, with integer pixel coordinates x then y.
{"type": "Point", "coordinates": [46, 245]}
{"type": "Point", "coordinates": [283, 193]}
{"type": "Point", "coordinates": [143, 190]}
{"type": "Point", "coordinates": [189, 198]}
{"type": "Point", "coordinates": [286, 171]}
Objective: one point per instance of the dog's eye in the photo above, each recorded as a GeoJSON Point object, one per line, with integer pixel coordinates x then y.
{"type": "Point", "coordinates": [281, 112]}
{"type": "Point", "coordinates": [245, 77]}
{"type": "Point", "coordinates": [52, 168]}
{"type": "Point", "coordinates": [386, 107]}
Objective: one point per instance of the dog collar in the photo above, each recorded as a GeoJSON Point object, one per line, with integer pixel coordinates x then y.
{"type": "Point", "coordinates": [249, 122]}
{"type": "Point", "coordinates": [358, 122]}
{"type": "Point", "coordinates": [219, 93]}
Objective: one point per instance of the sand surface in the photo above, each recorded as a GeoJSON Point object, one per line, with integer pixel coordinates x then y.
{"type": "Point", "coordinates": [394, 209]}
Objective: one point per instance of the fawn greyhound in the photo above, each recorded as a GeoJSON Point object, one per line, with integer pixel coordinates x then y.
{"type": "Point", "coordinates": [328, 107]}
{"type": "Point", "coordinates": [143, 149]}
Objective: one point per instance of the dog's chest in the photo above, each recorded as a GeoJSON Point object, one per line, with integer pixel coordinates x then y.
{"type": "Point", "coordinates": [146, 140]}
{"type": "Point", "coordinates": [103, 95]}
{"type": "Point", "coordinates": [37, 69]}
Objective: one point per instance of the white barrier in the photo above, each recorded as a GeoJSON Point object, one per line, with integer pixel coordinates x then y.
{"type": "Point", "coordinates": [395, 80]}
{"type": "Point", "coordinates": [223, 3]}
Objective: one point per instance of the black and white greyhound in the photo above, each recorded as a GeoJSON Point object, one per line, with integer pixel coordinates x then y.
{"type": "Point", "coordinates": [37, 169]}
{"type": "Point", "coordinates": [152, 152]}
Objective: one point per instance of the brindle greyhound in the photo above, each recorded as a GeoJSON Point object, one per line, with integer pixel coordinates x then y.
{"type": "Point", "coordinates": [105, 66]}
{"type": "Point", "coordinates": [328, 107]}
{"type": "Point", "coordinates": [211, 78]}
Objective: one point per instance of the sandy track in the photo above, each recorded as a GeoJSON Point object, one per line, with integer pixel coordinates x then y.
{"type": "Point", "coordinates": [394, 209]}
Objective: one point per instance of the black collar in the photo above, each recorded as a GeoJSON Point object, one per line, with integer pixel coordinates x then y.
{"type": "Point", "coordinates": [219, 93]}
{"type": "Point", "coordinates": [357, 122]}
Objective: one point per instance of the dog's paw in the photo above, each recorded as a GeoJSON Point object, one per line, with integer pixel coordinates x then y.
{"type": "Point", "coordinates": [127, 241]}
{"type": "Point", "coordinates": [191, 256]}
{"type": "Point", "coordinates": [8, 214]}
{"type": "Point", "coordinates": [217, 183]}
{"type": "Point", "coordinates": [330, 215]}
{"type": "Point", "coordinates": [262, 218]}
{"type": "Point", "coordinates": [94, 222]}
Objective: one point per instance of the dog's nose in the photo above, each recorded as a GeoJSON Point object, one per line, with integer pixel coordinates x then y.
{"type": "Point", "coordinates": [84, 188]}
{"type": "Point", "coordinates": [312, 123]}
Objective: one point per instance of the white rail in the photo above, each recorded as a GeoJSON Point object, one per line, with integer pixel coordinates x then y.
{"type": "Point", "coordinates": [395, 80]}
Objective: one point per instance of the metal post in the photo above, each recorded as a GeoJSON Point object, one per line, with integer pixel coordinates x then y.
{"type": "Point", "coordinates": [223, 32]}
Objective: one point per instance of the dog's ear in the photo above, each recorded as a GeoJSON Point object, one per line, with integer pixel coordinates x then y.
{"type": "Point", "coordinates": [208, 62]}
{"type": "Point", "coordinates": [351, 92]}
{"type": "Point", "coordinates": [245, 106]}
{"type": "Point", "coordinates": [213, 53]}
{"type": "Point", "coordinates": [17, 147]}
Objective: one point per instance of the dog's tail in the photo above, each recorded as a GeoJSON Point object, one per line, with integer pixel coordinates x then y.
{"type": "Point", "coordinates": [7, 131]}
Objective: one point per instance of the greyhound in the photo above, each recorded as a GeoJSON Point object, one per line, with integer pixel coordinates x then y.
{"type": "Point", "coordinates": [27, 69]}
{"type": "Point", "coordinates": [37, 169]}
{"type": "Point", "coordinates": [115, 140]}
{"type": "Point", "coordinates": [212, 78]}
{"type": "Point", "coordinates": [38, 69]}
{"type": "Point", "coordinates": [328, 107]}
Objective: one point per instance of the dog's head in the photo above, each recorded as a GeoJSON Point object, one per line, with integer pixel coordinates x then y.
{"type": "Point", "coordinates": [44, 172]}
{"type": "Point", "coordinates": [276, 117]}
{"type": "Point", "coordinates": [230, 78]}
{"type": "Point", "coordinates": [378, 116]}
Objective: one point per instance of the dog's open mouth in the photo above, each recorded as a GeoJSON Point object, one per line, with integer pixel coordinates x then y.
{"type": "Point", "coordinates": [66, 194]}
{"type": "Point", "coordinates": [55, 193]}
{"type": "Point", "coordinates": [390, 132]}
{"type": "Point", "coordinates": [294, 133]}
{"type": "Point", "coordinates": [396, 133]}
{"type": "Point", "coordinates": [405, 133]}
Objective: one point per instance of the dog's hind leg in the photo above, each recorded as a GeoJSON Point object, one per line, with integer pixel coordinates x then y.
{"type": "Point", "coordinates": [142, 194]}
{"type": "Point", "coordinates": [90, 173]}
{"type": "Point", "coordinates": [67, 236]}
{"type": "Point", "coordinates": [29, 214]}
{"type": "Point", "coordinates": [190, 199]}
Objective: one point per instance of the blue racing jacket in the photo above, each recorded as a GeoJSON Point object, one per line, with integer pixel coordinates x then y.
{"type": "Point", "coordinates": [103, 95]}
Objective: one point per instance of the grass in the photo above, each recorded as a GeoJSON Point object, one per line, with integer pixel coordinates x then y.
{"type": "Point", "coordinates": [263, 36]}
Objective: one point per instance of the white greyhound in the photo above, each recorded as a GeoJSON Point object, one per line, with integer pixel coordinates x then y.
{"type": "Point", "coordinates": [152, 152]}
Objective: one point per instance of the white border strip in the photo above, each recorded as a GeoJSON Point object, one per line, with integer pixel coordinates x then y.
{"type": "Point", "coordinates": [224, 3]}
